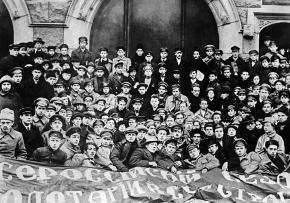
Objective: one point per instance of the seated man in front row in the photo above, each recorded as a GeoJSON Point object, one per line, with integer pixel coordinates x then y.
{"type": "Point", "coordinates": [273, 162]}
{"type": "Point", "coordinates": [243, 162]}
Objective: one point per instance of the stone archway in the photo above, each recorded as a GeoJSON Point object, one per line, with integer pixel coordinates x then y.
{"type": "Point", "coordinates": [20, 19]}
{"type": "Point", "coordinates": [279, 31]}
{"type": "Point", "coordinates": [82, 13]}
{"type": "Point", "coordinates": [6, 30]}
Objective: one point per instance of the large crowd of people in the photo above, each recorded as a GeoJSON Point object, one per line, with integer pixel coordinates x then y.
{"type": "Point", "coordinates": [86, 109]}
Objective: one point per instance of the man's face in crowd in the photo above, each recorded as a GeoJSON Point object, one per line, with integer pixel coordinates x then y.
{"type": "Point", "coordinates": [49, 113]}
{"type": "Point", "coordinates": [218, 56]}
{"type": "Point", "coordinates": [22, 51]}
{"type": "Point", "coordinates": [170, 148]}
{"type": "Point", "coordinates": [265, 63]}
{"type": "Point", "coordinates": [98, 129]}
{"type": "Point", "coordinates": [217, 118]}
{"type": "Point", "coordinates": [154, 102]}
{"type": "Point", "coordinates": [240, 150]}
{"type": "Point", "coordinates": [245, 75]}
{"type": "Point", "coordinates": [282, 117]}
{"type": "Point", "coordinates": [251, 126]}
{"type": "Point", "coordinates": [176, 92]}
{"type": "Point", "coordinates": [36, 74]}
{"type": "Point", "coordinates": [196, 91]}
{"type": "Point", "coordinates": [74, 139]}
{"type": "Point", "coordinates": [163, 54]}
{"type": "Point", "coordinates": [132, 122]}
{"type": "Point", "coordinates": [77, 121]}
{"type": "Point", "coordinates": [17, 77]}
{"type": "Point", "coordinates": [141, 134]}
{"type": "Point", "coordinates": [196, 138]}
{"type": "Point", "coordinates": [177, 133]}
{"type": "Point", "coordinates": [212, 77]}
{"type": "Point", "coordinates": [83, 44]}
{"type": "Point", "coordinates": [63, 51]}
{"type": "Point", "coordinates": [106, 141]}
{"type": "Point", "coordinates": [56, 125]}
{"type": "Point", "coordinates": [100, 73]}
{"type": "Point", "coordinates": [6, 86]}
{"type": "Point", "coordinates": [91, 151]}
{"type": "Point", "coordinates": [203, 105]}
{"type": "Point", "coordinates": [6, 125]}
{"type": "Point", "coordinates": [284, 100]}
{"type": "Point", "coordinates": [268, 128]}
{"type": "Point", "coordinates": [254, 57]}
{"type": "Point", "coordinates": [196, 54]}
{"type": "Point", "coordinates": [179, 119]}
{"type": "Point", "coordinates": [54, 142]}
{"type": "Point", "coordinates": [103, 54]}
{"type": "Point", "coordinates": [40, 110]}
{"type": "Point", "coordinates": [161, 135]}
{"type": "Point", "coordinates": [267, 108]}
{"type": "Point", "coordinates": [219, 133]}
{"type": "Point", "coordinates": [227, 73]}
{"type": "Point", "coordinates": [162, 90]}
{"type": "Point", "coordinates": [122, 105]}
{"type": "Point", "coordinates": [130, 137]}
{"type": "Point", "coordinates": [264, 93]}
{"type": "Point", "coordinates": [66, 76]}
{"type": "Point", "coordinates": [235, 53]}
{"type": "Point", "coordinates": [252, 103]}
{"type": "Point", "coordinates": [272, 150]}
{"type": "Point", "coordinates": [51, 52]}
{"type": "Point", "coordinates": [26, 118]}
{"type": "Point", "coordinates": [121, 53]}
{"type": "Point", "coordinates": [209, 131]}
{"type": "Point", "coordinates": [139, 52]}
{"type": "Point", "coordinates": [213, 149]}
{"type": "Point", "coordinates": [170, 121]}
{"type": "Point", "coordinates": [209, 52]}
{"type": "Point", "coordinates": [178, 54]}
{"type": "Point", "coordinates": [81, 71]}
{"type": "Point", "coordinates": [194, 153]}
{"type": "Point", "coordinates": [119, 69]}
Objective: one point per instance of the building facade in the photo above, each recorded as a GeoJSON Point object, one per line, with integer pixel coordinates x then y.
{"type": "Point", "coordinates": [155, 23]}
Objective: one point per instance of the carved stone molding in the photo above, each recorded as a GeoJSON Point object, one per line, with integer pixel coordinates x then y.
{"type": "Point", "coordinates": [264, 22]}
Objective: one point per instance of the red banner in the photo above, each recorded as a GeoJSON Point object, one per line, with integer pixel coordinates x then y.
{"type": "Point", "coordinates": [26, 181]}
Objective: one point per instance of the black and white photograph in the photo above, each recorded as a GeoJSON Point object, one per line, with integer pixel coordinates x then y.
{"type": "Point", "coordinates": [124, 101]}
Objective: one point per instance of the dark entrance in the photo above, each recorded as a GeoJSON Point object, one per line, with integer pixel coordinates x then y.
{"type": "Point", "coordinates": [279, 32]}
{"type": "Point", "coordinates": [170, 23]}
{"type": "Point", "coordinates": [6, 30]}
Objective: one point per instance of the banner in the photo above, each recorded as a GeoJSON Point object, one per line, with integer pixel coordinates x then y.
{"type": "Point", "coordinates": [31, 182]}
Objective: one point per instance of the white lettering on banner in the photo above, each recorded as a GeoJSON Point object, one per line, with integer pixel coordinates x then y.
{"type": "Point", "coordinates": [267, 180]}
{"type": "Point", "coordinates": [247, 180]}
{"type": "Point", "coordinates": [55, 197]}
{"type": "Point", "coordinates": [134, 172]}
{"type": "Point", "coordinates": [124, 191]}
{"type": "Point", "coordinates": [270, 198]}
{"type": "Point", "coordinates": [240, 194]}
{"type": "Point", "coordinates": [193, 177]}
{"type": "Point", "coordinates": [45, 173]}
{"type": "Point", "coordinates": [227, 176]}
{"type": "Point", "coordinates": [2, 169]}
{"type": "Point", "coordinates": [108, 176]}
{"type": "Point", "coordinates": [89, 175]}
{"type": "Point", "coordinates": [148, 170]}
{"type": "Point", "coordinates": [28, 175]}
{"type": "Point", "coordinates": [227, 194]}
{"type": "Point", "coordinates": [255, 198]}
{"type": "Point", "coordinates": [35, 197]}
{"type": "Point", "coordinates": [173, 191]}
{"type": "Point", "coordinates": [154, 188]}
{"type": "Point", "coordinates": [12, 196]}
{"type": "Point", "coordinates": [168, 176]}
{"type": "Point", "coordinates": [98, 197]}
{"type": "Point", "coordinates": [286, 179]}
{"type": "Point", "coordinates": [75, 195]}
{"type": "Point", "coordinates": [72, 174]}
{"type": "Point", "coordinates": [134, 188]}
{"type": "Point", "coordinates": [111, 195]}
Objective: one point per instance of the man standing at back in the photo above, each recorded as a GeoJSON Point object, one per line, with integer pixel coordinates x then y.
{"type": "Point", "coordinates": [82, 54]}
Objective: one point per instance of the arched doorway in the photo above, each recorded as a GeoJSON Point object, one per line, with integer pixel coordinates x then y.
{"type": "Point", "coordinates": [279, 32]}
{"type": "Point", "coordinates": [154, 23]}
{"type": "Point", "coordinates": [6, 30]}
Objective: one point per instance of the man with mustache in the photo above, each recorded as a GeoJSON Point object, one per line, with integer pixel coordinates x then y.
{"type": "Point", "coordinates": [11, 141]}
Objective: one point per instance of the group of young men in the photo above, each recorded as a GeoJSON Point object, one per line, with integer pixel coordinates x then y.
{"type": "Point", "coordinates": [202, 113]}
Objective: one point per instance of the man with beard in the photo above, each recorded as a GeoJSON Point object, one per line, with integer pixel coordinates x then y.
{"type": "Point", "coordinates": [36, 86]}
{"type": "Point", "coordinates": [82, 54]}
{"type": "Point", "coordinates": [8, 98]}
{"type": "Point", "coordinates": [30, 133]}
{"type": "Point", "coordinates": [39, 119]}
{"type": "Point", "coordinates": [11, 141]}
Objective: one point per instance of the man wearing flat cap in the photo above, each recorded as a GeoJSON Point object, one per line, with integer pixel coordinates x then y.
{"type": "Point", "coordinates": [38, 45]}
{"type": "Point", "coordinates": [209, 51]}
{"type": "Point", "coordinates": [11, 141]}
{"type": "Point", "coordinates": [163, 58]}
{"type": "Point", "coordinates": [116, 78]}
{"type": "Point", "coordinates": [9, 61]}
{"type": "Point", "coordinates": [236, 62]}
{"type": "Point", "coordinates": [31, 135]}
{"type": "Point", "coordinates": [121, 57]}
{"type": "Point", "coordinates": [9, 98]}
{"type": "Point", "coordinates": [121, 108]}
{"type": "Point", "coordinates": [253, 64]}
{"type": "Point", "coordinates": [104, 61]}
{"type": "Point", "coordinates": [178, 62]}
{"type": "Point", "coordinates": [36, 86]}
{"type": "Point", "coordinates": [82, 54]}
